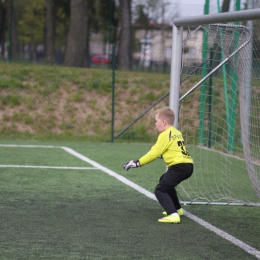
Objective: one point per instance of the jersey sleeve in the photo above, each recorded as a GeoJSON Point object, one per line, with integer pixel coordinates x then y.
{"type": "Point", "coordinates": [157, 150]}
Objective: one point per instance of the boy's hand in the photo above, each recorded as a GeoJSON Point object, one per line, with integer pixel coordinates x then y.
{"type": "Point", "coordinates": [131, 164]}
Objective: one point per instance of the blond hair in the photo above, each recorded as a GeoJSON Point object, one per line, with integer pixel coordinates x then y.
{"type": "Point", "coordinates": [165, 113]}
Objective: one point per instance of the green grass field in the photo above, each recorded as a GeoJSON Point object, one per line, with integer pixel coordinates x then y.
{"type": "Point", "coordinates": [62, 207]}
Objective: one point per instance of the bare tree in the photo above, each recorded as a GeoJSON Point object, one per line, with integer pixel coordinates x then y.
{"type": "Point", "coordinates": [77, 38]}
{"type": "Point", "coordinates": [163, 7]}
{"type": "Point", "coordinates": [125, 44]}
{"type": "Point", "coordinates": [49, 30]}
{"type": "Point", "coordinates": [2, 27]}
{"type": "Point", "coordinates": [10, 10]}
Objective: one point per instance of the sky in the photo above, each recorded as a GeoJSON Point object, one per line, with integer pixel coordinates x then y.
{"type": "Point", "coordinates": [196, 7]}
{"type": "Point", "coordinates": [186, 8]}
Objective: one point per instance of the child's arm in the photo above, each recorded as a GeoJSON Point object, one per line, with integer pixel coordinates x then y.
{"type": "Point", "coordinates": [153, 154]}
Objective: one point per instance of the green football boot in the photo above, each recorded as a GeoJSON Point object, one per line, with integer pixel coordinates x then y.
{"type": "Point", "coordinates": [170, 219]}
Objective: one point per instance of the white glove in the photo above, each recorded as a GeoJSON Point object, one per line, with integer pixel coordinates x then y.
{"type": "Point", "coordinates": [131, 164]}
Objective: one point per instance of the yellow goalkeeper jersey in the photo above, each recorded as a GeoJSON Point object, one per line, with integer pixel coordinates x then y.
{"type": "Point", "coordinates": [169, 145]}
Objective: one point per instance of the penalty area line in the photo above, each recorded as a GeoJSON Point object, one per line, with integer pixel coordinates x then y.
{"type": "Point", "coordinates": [48, 167]}
{"type": "Point", "coordinates": [150, 195]}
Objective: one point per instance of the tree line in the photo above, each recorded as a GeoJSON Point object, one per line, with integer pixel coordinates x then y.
{"type": "Point", "coordinates": [70, 23]}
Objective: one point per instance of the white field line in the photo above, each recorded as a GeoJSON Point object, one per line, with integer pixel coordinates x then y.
{"type": "Point", "coordinates": [48, 167]}
{"type": "Point", "coordinates": [150, 195]}
{"type": "Point", "coordinates": [29, 146]}
{"type": "Point", "coordinates": [43, 167]}
{"type": "Point", "coordinates": [147, 193]}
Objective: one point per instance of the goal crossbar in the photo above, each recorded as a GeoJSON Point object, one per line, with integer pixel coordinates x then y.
{"type": "Point", "coordinates": [245, 15]}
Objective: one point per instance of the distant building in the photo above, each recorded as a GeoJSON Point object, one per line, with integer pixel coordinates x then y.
{"type": "Point", "coordinates": [160, 44]}
{"type": "Point", "coordinates": [153, 45]}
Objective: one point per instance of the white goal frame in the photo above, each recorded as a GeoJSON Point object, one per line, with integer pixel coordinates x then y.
{"type": "Point", "coordinates": [176, 60]}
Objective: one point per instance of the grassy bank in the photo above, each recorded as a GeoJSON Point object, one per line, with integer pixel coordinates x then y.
{"type": "Point", "coordinates": [51, 102]}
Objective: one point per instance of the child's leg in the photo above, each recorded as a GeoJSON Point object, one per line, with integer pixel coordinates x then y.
{"type": "Point", "coordinates": [173, 194]}
{"type": "Point", "coordinates": [165, 191]}
{"type": "Point", "coordinates": [164, 199]}
{"type": "Point", "coordinates": [174, 197]}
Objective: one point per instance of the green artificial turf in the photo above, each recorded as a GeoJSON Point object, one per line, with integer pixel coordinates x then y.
{"type": "Point", "coordinates": [88, 214]}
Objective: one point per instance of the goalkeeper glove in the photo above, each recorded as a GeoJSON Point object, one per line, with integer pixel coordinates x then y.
{"type": "Point", "coordinates": [131, 164]}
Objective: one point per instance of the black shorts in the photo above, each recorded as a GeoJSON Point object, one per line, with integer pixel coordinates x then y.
{"type": "Point", "coordinates": [176, 174]}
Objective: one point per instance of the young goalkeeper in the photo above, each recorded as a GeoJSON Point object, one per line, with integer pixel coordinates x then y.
{"type": "Point", "coordinates": [170, 147]}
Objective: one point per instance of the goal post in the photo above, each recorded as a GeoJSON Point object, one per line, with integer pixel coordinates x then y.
{"type": "Point", "coordinates": [175, 71]}
{"type": "Point", "coordinates": [218, 110]}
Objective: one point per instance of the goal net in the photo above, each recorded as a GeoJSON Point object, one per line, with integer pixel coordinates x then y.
{"type": "Point", "coordinates": [219, 112]}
